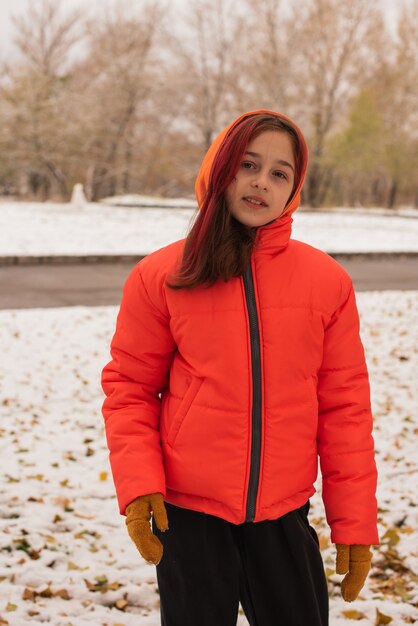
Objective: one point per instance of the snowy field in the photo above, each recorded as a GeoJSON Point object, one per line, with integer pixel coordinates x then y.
{"type": "Point", "coordinates": [59, 229]}
{"type": "Point", "coordinates": [66, 558]}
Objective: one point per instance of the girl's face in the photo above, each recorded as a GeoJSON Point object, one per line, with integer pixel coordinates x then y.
{"type": "Point", "coordinates": [266, 174]}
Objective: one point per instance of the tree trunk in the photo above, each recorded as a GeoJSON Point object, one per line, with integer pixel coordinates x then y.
{"type": "Point", "coordinates": [126, 178]}
{"type": "Point", "coordinates": [314, 181]}
{"type": "Point", "coordinates": [392, 194]}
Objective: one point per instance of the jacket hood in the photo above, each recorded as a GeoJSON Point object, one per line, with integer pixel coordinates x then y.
{"type": "Point", "coordinates": [203, 176]}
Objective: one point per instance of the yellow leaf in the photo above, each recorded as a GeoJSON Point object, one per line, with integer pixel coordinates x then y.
{"type": "Point", "coordinates": [391, 536]}
{"type": "Point", "coordinates": [101, 579]}
{"type": "Point", "coordinates": [381, 618]}
{"type": "Point", "coordinates": [103, 475]}
{"type": "Point", "coordinates": [121, 604]}
{"type": "Point", "coordinates": [353, 614]}
{"type": "Point", "coordinates": [11, 607]}
{"type": "Point", "coordinates": [90, 586]}
{"type": "Point", "coordinates": [114, 586]}
{"type": "Point", "coordinates": [84, 516]}
{"type": "Point", "coordinates": [36, 476]}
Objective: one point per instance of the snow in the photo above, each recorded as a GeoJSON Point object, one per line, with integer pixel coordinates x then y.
{"type": "Point", "coordinates": [40, 229]}
{"type": "Point", "coordinates": [66, 557]}
{"type": "Point", "coordinates": [60, 529]}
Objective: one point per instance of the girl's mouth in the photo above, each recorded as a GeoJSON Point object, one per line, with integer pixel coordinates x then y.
{"type": "Point", "coordinates": [254, 204]}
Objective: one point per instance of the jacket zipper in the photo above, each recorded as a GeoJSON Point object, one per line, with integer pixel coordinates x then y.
{"type": "Point", "coordinates": [256, 406]}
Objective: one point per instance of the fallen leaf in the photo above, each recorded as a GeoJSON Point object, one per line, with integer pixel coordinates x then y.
{"type": "Point", "coordinates": [71, 565]}
{"type": "Point", "coordinates": [64, 502]}
{"type": "Point", "coordinates": [121, 604]}
{"type": "Point", "coordinates": [101, 579]}
{"type": "Point", "coordinates": [46, 593]}
{"type": "Point", "coordinates": [29, 594]}
{"type": "Point", "coordinates": [102, 584]}
{"type": "Point", "coordinates": [36, 476]}
{"type": "Point", "coordinates": [22, 544]}
{"type": "Point", "coordinates": [114, 586]}
{"type": "Point", "coordinates": [324, 541]}
{"type": "Point", "coordinates": [11, 479]}
{"type": "Point", "coordinates": [391, 536]}
{"type": "Point", "coordinates": [353, 614]}
{"type": "Point", "coordinates": [381, 618]}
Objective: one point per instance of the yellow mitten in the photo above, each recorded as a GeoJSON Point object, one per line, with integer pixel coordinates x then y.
{"type": "Point", "coordinates": [356, 560]}
{"type": "Point", "coordinates": [138, 516]}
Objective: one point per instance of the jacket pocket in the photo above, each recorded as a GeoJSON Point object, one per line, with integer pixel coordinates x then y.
{"type": "Point", "coordinates": [183, 410]}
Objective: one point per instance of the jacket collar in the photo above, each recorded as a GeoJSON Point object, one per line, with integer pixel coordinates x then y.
{"type": "Point", "coordinates": [274, 237]}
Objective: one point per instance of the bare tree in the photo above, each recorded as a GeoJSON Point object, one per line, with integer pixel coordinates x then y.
{"type": "Point", "coordinates": [263, 56]}
{"type": "Point", "coordinates": [397, 91]}
{"type": "Point", "coordinates": [45, 37]}
{"type": "Point", "coordinates": [34, 94]}
{"type": "Point", "coordinates": [203, 69]}
{"type": "Point", "coordinates": [115, 82]}
{"type": "Point", "coordinates": [337, 47]}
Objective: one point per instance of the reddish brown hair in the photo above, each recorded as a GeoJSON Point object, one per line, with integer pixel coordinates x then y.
{"type": "Point", "coordinates": [218, 245]}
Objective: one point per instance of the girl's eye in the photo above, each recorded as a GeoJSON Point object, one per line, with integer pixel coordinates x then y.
{"type": "Point", "coordinates": [277, 174]}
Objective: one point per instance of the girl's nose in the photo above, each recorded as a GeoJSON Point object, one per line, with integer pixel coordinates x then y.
{"type": "Point", "coordinates": [259, 183]}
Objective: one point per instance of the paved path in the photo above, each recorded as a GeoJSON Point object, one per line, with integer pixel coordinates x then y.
{"type": "Point", "coordinates": [54, 285]}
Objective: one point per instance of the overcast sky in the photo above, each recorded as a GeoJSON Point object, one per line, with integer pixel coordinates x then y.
{"type": "Point", "coordinates": [8, 7]}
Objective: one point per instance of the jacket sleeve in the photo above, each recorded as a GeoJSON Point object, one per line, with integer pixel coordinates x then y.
{"type": "Point", "coordinates": [142, 349]}
{"type": "Point", "coordinates": [345, 423]}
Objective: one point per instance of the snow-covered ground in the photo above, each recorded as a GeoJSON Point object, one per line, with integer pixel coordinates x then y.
{"type": "Point", "coordinates": [40, 229]}
{"type": "Point", "coordinates": [66, 558]}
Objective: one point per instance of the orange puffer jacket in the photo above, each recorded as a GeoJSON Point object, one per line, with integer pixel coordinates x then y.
{"type": "Point", "coordinates": [223, 398]}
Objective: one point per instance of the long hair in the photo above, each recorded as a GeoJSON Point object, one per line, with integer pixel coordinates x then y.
{"type": "Point", "coordinates": [218, 245]}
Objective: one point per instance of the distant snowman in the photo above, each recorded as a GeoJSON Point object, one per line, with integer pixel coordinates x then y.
{"type": "Point", "coordinates": [78, 197]}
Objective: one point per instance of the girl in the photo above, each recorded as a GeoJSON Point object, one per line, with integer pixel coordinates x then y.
{"type": "Point", "coordinates": [236, 363]}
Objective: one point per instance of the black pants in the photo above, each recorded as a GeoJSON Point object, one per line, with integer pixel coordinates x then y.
{"type": "Point", "coordinates": [274, 568]}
